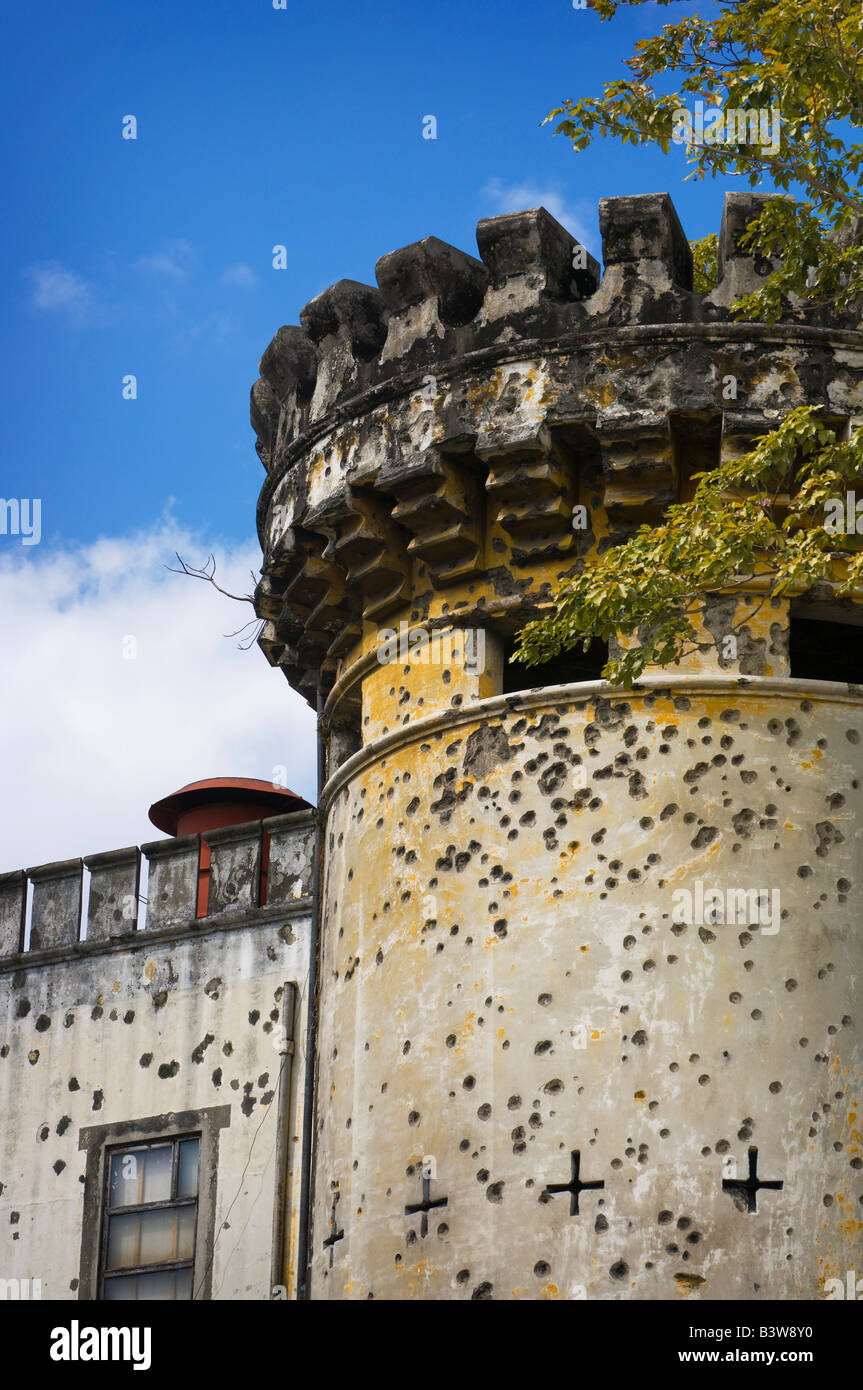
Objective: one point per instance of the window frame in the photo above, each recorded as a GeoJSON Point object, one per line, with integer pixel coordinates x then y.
{"type": "Point", "coordinates": [102, 1142]}
{"type": "Point", "coordinates": [174, 1203]}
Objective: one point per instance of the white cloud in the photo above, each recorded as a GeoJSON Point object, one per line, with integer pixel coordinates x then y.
{"type": "Point", "coordinates": [90, 738]}
{"type": "Point", "coordinates": [240, 274]}
{"type": "Point", "coordinates": [174, 259]}
{"type": "Point", "coordinates": [55, 287]}
{"type": "Point", "coordinates": [516, 197]}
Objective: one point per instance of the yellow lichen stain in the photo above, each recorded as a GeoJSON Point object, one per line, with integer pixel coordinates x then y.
{"type": "Point", "coordinates": [150, 969]}
{"type": "Point", "coordinates": [115, 987]}
{"type": "Point", "coordinates": [640, 1095]}
{"type": "Point", "coordinates": [596, 1034]}
{"type": "Point", "coordinates": [491, 941]}
{"type": "Point", "coordinates": [687, 1282]}
{"type": "Point", "coordinates": [584, 950]}
{"type": "Point", "coordinates": [467, 1028]}
{"type": "Point", "coordinates": [550, 1291]}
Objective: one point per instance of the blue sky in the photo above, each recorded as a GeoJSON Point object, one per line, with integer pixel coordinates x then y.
{"type": "Point", "coordinates": [255, 127]}
{"type": "Point", "coordinates": [153, 257]}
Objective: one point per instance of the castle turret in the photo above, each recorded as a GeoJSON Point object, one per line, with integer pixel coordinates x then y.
{"type": "Point", "coordinates": [588, 1023]}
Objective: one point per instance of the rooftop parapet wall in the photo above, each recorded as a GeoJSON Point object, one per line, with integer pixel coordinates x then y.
{"type": "Point", "coordinates": [435, 436]}
{"type": "Point", "coordinates": [112, 910]}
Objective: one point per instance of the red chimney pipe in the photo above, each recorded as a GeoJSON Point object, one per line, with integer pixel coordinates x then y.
{"type": "Point", "coordinates": [217, 801]}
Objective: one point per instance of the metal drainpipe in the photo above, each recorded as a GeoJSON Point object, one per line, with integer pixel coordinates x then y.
{"type": "Point", "coordinates": [278, 1274]}
{"type": "Point", "coordinates": [306, 1193]}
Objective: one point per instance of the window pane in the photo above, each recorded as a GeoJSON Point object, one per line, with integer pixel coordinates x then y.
{"type": "Point", "coordinates": [170, 1284]}
{"type": "Point", "coordinates": [187, 1181]}
{"type": "Point", "coordinates": [152, 1237]}
{"type": "Point", "coordinates": [141, 1175]}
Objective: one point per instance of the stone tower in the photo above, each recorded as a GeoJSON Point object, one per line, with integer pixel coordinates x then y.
{"type": "Point", "coordinates": [536, 1077]}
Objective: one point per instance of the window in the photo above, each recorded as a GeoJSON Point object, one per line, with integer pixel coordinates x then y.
{"type": "Point", "coordinates": [150, 1191]}
{"type": "Point", "coordinates": [150, 1217]}
{"type": "Point", "coordinates": [822, 650]}
{"type": "Point", "coordinates": [570, 666]}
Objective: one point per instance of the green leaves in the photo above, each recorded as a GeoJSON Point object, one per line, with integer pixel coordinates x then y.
{"type": "Point", "coordinates": [760, 517]}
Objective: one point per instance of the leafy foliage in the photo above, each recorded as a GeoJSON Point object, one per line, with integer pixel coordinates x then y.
{"type": "Point", "coordinates": [704, 263]}
{"type": "Point", "coordinates": [754, 523]}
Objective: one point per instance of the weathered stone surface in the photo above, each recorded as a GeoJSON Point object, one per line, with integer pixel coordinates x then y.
{"type": "Point", "coordinates": [56, 914]}
{"type": "Point", "coordinates": [291, 851]}
{"type": "Point", "coordinates": [172, 886]}
{"type": "Point", "coordinates": [13, 901]}
{"type": "Point", "coordinates": [478, 458]}
{"type": "Point", "coordinates": [506, 993]}
{"type": "Point", "coordinates": [115, 877]}
{"type": "Point", "coordinates": [235, 867]}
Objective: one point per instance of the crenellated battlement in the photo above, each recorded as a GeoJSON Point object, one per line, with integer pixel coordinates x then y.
{"type": "Point", "coordinates": [280, 845]}
{"type": "Point", "coordinates": [434, 445]}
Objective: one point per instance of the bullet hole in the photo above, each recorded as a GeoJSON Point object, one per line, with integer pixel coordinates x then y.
{"type": "Point", "coordinates": [462, 1276]}
{"type": "Point", "coordinates": [639, 1038]}
{"type": "Point", "coordinates": [129, 1016]}
{"type": "Point", "coordinates": [414, 1117]}
{"type": "Point", "coordinates": [22, 1008]}
{"type": "Point", "coordinates": [827, 1199]}
{"type": "Point", "coordinates": [217, 1077]}
{"type": "Point", "coordinates": [43, 1023]}
{"type": "Point", "coordinates": [494, 1192]}
{"type": "Point", "coordinates": [63, 1124]}
{"type": "Point", "coordinates": [74, 1084]}
{"type": "Point", "coordinates": [600, 1225]}
{"type": "Point", "coordinates": [553, 1087]}
{"type": "Point", "coordinates": [791, 985]}
{"type": "Point", "coordinates": [542, 1047]}
{"type": "Point", "coordinates": [59, 1166]}
{"type": "Point", "coordinates": [145, 1059]}
{"type": "Point", "coordinates": [254, 1016]}
{"type": "Point", "coordinates": [704, 1080]}
{"type": "Point", "coordinates": [544, 1000]}
{"type": "Point", "coordinates": [514, 1103]}
{"type": "Point", "coordinates": [484, 1111]}
{"type": "Point", "coordinates": [482, 1293]}
{"type": "Point", "coordinates": [705, 836]}
{"type": "Point", "coordinates": [619, 1270]}
{"type": "Point", "coordinates": [167, 1069]}
{"type": "Point", "coordinates": [198, 1052]}
{"type": "Point", "coordinates": [96, 1012]}
{"type": "Point", "coordinates": [98, 1097]}
{"type": "Point", "coordinates": [160, 999]}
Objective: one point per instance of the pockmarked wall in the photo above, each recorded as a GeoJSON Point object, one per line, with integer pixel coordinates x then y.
{"type": "Point", "coordinates": [591, 958]}
{"type": "Point", "coordinates": [534, 949]}
{"type": "Point", "coordinates": [191, 1023]}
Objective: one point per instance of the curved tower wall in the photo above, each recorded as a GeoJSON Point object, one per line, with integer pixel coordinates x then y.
{"type": "Point", "coordinates": [527, 969]}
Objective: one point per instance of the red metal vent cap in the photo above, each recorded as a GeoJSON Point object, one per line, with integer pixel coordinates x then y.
{"type": "Point", "coordinates": [221, 801]}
